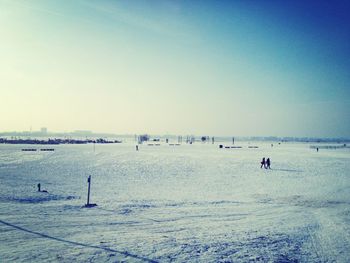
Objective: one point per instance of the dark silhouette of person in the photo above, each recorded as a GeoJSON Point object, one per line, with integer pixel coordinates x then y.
{"type": "Point", "coordinates": [137, 147]}
{"type": "Point", "coordinates": [317, 149]}
{"type": "Point", "coordinates": [268, 163]}
{"type": "Point", "coordinates": [263, 163]}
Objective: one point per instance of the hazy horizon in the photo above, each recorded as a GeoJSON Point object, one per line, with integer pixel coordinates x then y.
{"type": "Point", "coordinates": [163, 135]}
{"type": "Point", "coordinates": [243, 68]}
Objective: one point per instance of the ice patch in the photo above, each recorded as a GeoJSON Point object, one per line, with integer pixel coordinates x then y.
{"type": "Point", "coordinates": [39, 198]}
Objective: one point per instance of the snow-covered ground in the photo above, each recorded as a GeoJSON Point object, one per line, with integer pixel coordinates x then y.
{"type": "Point", "coordinates": [194, 203]}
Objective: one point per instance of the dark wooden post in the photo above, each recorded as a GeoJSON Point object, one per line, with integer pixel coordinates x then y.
{"type": "Point", "coordinates": [88, 205]}
{"type": "Point", "coordinates": [88, 197]}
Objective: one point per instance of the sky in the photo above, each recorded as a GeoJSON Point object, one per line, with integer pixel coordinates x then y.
{"type": "Point", "coordinates": [228, 68]}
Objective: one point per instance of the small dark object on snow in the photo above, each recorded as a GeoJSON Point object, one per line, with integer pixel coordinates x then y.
{"type": "Point", "coordinates": [39, 189]}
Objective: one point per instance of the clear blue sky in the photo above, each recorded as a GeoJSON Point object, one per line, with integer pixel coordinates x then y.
{"type": "Point", "coordinates": [187, 67]}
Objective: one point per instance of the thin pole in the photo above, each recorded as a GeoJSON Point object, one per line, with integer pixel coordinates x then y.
{"type": "Point", "coordinates": [88, 197]}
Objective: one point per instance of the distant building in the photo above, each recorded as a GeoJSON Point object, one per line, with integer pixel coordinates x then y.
{"type": "Point", "coordinates": [82, 132]}
{"type": "Point", "coordinates": [143, 138]}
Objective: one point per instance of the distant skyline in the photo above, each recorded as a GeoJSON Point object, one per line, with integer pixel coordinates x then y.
{"type": "Point", "coordinates": [243, 68]}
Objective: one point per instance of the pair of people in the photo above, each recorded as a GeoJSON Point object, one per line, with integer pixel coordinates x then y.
{"type": "Point", "coordinates": [266, 163]}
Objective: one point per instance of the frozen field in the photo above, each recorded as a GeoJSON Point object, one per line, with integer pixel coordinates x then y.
{"type": "Point", "coordinates": [195, 203]}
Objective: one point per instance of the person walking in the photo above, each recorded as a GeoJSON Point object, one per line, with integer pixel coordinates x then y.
{"type": "Point", "coordinates": [268, 163]}
{"type": "Point", "coordinates": [263, 163]}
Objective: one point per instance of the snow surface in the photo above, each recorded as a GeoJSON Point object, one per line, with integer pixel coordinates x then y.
{"type": "Point", "coordinates": [195, 203]}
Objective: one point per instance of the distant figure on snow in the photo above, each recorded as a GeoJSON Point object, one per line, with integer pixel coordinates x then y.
{"type": "Point", "coordinates": [263, 163]}
{"type": "Point", "coordinates": [137, 147]}
{"type": "Point", "coordinates": [268, 163]}
{"type": "Point", "coordinates": [39, 189]}
{"type": "Point", "coordinates": [317, 149]}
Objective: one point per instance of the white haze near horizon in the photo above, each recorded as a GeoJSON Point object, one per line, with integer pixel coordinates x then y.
{"type": "Point", "coordinates": [166, 67]}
